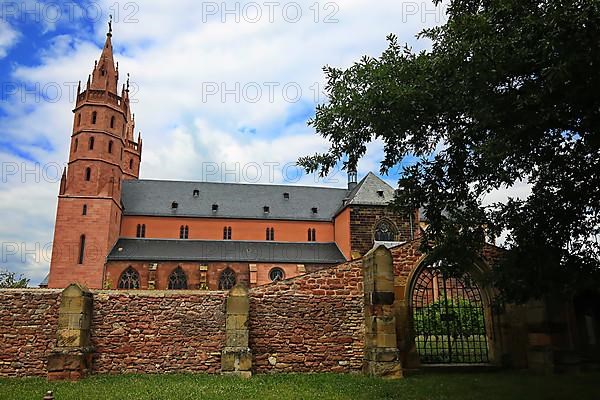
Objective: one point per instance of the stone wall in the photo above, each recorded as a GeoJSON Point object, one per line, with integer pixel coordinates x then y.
{"type": "Point", "coordinates": [312, 323]}
{"type": "Point", "coordinates": [158, 331]}
{"type": "Point", "coordinates": [28, 323]}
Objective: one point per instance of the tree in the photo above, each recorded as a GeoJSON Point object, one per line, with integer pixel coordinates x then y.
{"type": "Point", "coordinates": [10, 280]}
{"type": "Point", "coordinates": [508, 93]}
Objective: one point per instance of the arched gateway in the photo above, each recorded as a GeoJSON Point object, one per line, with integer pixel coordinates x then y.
{"type": "Point", "coordinates": [448, 314]}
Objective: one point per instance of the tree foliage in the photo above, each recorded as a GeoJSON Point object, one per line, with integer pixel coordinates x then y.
{"type": "Point", "coordinates": [507, 94]}
{"type": "Point", "coordinates": [457, 318]}
{"type": "Point", "coordinates": [10, 280]}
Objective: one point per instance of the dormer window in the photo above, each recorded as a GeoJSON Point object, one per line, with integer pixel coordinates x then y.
{"type": "Point", "coordinates": [215, 208]}
{"type": "Point", "coordinates": [174, 205]}
{"type": "Point", "coordinates": [266, 209]}
{"type": "Point", "coordinates": [380, 193]}
{"type": "Point", "coordinates": [315, 210]}
{"type": "Point", "coordinates": [196, 193]}
{"type": "Point", "coordinates": [286, 196]}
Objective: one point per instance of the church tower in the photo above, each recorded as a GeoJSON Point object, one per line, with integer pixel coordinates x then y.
{"type": "Point", "coordinates": [102, 154]}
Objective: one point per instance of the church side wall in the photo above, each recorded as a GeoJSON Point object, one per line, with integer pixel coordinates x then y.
{"type": "Point", "coordinates": [241, 229]}
{"type": "Point", "coordinates": [342, 233]}
{"type": "Point", "coordinates": [203, 275]}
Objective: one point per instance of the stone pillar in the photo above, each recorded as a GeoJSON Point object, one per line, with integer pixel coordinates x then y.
{"type": "Point", "coordinates": [203, 277]}
{"type": "Point", "coordinates": [381, 357]}
{"type": "Point", "coordinates": [71, 358]}
{"type": "Point", "coordinates": [540, 352]}
{"type": "Point", "coordinates": [236, 357]}
{"type": "Point", "coordinates": [152, 276]}
{"type": "Point", "coordinates": [550, 341]}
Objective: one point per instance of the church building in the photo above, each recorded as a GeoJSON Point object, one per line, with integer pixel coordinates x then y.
{"type": "Point", "coordinates": [116, 231]}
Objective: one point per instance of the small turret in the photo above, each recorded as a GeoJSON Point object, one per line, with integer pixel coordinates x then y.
{"type": "Point", "coordinates": [352, 179]}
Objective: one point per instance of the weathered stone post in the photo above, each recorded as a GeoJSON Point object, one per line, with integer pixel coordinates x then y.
{"type": "Point", "coordinates": [550, 344]}
{"type": "Point", "coordinates": [236, 357]}
{"type": "Point", "coordinates": [71, 358]}
{"type": "Point", "coordinates": [382, 357]}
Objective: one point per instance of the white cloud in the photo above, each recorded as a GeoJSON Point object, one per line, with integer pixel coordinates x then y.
{"type": "Point", "coordinates": [173, 57]}
{"type": "Point", "coordinates": [8, 38]}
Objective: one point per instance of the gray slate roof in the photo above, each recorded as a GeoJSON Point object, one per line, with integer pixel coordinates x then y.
{"type": "Point", "coordinates": [44, 282]}
{"type": "Point", "coordinates": [366, 192]}
{"type": "Point", "coordinates": [224, 250]}
{"type": "Point", "coordinates": [235, 200]}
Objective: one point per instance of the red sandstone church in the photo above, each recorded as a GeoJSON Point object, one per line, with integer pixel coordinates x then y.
{"type": "Point", "coordinates": [114, 230]}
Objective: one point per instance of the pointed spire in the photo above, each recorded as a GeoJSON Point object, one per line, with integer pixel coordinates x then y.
{"type": "Point", "coordinates": [128, 81]}
{"type": "Point", "coordinates": [109, 26]}
{"type": "Point", "coordinates": [78, 88]}
{"type": "Point", "coordinates": [105, 75]}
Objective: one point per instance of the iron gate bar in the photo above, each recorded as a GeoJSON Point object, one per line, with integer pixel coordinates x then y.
{"type": "Point", "coordinates": [448, 319]}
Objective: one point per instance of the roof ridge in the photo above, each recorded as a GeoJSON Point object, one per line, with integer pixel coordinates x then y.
{"type": "Point", "coordinates": [219, 240]}
{"type": "Point", "coordinates": [133, 181]}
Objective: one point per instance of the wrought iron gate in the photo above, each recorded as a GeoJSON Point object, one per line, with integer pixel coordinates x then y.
{"type": "Point", "coordinates": [448, 319]}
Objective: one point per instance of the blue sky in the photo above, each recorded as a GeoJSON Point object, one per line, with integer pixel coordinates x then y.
{"type": "Point", "coordinates": [214, 85]}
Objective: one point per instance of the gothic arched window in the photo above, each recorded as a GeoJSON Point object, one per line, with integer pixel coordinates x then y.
{"type": "Point", "coordinates": [130, 279]}
{"type": "Point", "coordinates": [94, 117]}
{"type": "Point", "coordinates": [78, 119]}
{"type": "Point", "coordinates": [88, 173]}
{"type": "Point", "coordinates": [385, 231]}
{"type": "Point", "coordinates": [177, 279]}
{"type": "Point", "coordinates": [227, 279]}
{"type": "Point", "coordinates": [312, 235]}
{"type": "Point", "coordinates": [84, 211]}
{"type": "Point", "coordinates": [110, 146]}
{"type": "Point", "coordinates": [131, 164]}
{"type": "Point", "coordinates": [112, 122]}
{"type": "Point", "coordinates": [76, 144]}
{"type": "Point", "coordinates": [227, 233]}
{"type": "Point", "coordinates": [91, 143]}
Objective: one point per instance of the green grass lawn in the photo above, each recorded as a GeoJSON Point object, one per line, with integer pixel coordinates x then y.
{"type": "Point", "coordinates": [430, 386]}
